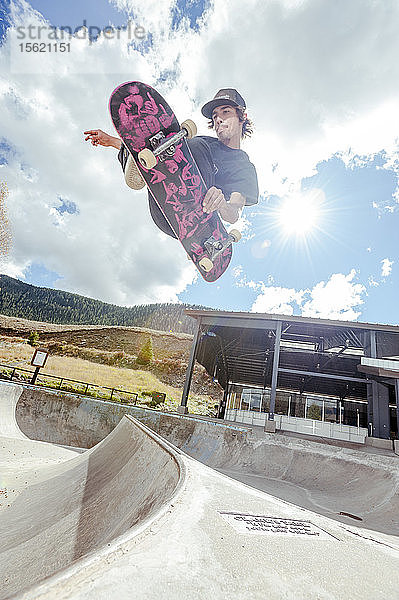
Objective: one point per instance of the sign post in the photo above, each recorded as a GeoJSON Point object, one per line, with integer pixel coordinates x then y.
{"type": "Point", "coordinates": [38, 360]}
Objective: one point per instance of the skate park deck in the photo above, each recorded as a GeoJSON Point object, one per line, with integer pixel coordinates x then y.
{"type": "Point", "coordinates": [135, 516]}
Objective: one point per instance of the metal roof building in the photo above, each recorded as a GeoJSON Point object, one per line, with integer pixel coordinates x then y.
{"type": "Point", "coordinates": [306, 356]}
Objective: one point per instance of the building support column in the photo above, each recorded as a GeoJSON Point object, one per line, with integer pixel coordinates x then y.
{"type": "Point", "coordinates": [379, 409]}
{"type": "Point", "coordinates": [371, 352]}
{"type": "Point", "coordinates": [381, 416]}
{"type": "Point", "coordinates": [397, 402]}
{"type": "Point", "coordinates": [276, 359]}
{"type": "Point", "coordinates": [223, 404]}
{"type": "Point", "coordinates": [190, 367]}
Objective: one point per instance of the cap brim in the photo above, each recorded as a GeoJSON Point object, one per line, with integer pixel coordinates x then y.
{"type": "Point", "coordinates": [209, 107]}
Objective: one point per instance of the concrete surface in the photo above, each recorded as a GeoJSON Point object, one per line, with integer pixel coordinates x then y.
{"type": "Point", "coordinates": [21, 459]}
{"type": "Point", "coordinates": [83, 503]}
{"type": "Point", "coordinates": [270, 426]}
{"type": "Point", "coordinates": [327, 478]}
{"type": "Point", "coordinates": [136, 517]}
{"type": "Point", "coordinates": [10, 394]}
{"type": "Point", "coordinates": [379, 443]}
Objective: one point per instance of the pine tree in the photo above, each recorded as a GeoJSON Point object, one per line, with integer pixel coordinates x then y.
{"type": "Point", "coordinates": [314, 412]}
{"type": "Point", "coordinates": [146, 355]}
{"type": "Point", "coordinates": [33, 339]}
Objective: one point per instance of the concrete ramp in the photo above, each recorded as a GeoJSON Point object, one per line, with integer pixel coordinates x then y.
{"type": "Point", "coordinates": [9, 396]}
{"type": "Point", "coordinates": [330, 480]}
{"type": "Point", "coordinates": [84, 503]}
{"type": "Point", "coordinates": [215, 538]}
{"type": "Point", "coordinates": [135, 517]}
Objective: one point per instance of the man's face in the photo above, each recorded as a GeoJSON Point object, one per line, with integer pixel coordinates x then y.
{"type": "Point", "coordinates": [226, 123]}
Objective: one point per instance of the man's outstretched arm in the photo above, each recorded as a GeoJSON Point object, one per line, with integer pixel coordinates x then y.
{"type": "Point", "coordinates": [229, 210]}
{"type": "Point", "coordinates": [98, 137]}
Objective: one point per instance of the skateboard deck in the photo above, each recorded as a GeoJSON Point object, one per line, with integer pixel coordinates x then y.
{"type": "Point", "coordinates": [145, 122]}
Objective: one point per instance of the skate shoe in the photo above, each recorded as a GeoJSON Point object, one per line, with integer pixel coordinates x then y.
{"type": "Point", "coordinates": [133, 176]}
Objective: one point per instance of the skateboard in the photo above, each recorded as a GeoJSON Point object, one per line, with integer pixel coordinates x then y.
{"type": "Point", "coordinates": [157, 143]}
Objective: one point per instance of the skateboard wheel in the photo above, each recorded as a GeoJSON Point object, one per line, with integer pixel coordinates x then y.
{"type": "Point", "coordinates": [206, 264]}
{"type": "Point", "coordinates": [236, 235]}
{"type": "Point", "coordinates": [147, 158]}
{"type": "Point", "coordinates": [190, 127]}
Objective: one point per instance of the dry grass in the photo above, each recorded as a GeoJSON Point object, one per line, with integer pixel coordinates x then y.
{"type": "Point", "coordinates": [15, 353]}
{"type": "Point", "coordinates": [20, 354]}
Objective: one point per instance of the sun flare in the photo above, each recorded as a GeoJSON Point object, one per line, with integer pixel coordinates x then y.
{"type": "Point", "coordinates": [299, 213]}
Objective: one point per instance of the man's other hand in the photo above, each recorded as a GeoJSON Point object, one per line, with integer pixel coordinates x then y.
{"type": "Point", "coordinates": [99, 138]}
{"type": "Point", "coordinates": [214, 200]}
{"type": "Point", "coordinates": [229, 210]}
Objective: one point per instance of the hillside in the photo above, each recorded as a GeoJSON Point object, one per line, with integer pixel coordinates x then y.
{"type": "Point", "coordinates": [22, 300]}
{"type": "Point", "coordinates": [107, 345]}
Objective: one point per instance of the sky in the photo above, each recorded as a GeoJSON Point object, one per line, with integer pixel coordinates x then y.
{"type": "Point", "coordinates": [321, 83]}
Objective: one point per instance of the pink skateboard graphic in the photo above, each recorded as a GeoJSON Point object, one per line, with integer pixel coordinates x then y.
{"type": "Point", "coordinates": [153, 136]}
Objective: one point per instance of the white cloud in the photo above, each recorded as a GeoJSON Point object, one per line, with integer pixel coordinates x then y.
{"type": "Point", "coordinates": [335, 299]}
{"type": "Point", "coordinates": [277, 300]}
{"type": "Point", "coordinates": [311, 73]}
{"type": "Point", "coordinates": [372, 282]}
{"type": "Point", "coordinates": [111, 249]}
{"type": "Point", "coordinates": [318, 80]}
{"type": "Point", "coordinates": [237, 271]}
{"type": "Point", "coordinates": [386, 268]}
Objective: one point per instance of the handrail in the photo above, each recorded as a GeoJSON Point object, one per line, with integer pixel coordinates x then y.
{"type": "Point", "coordinates": [61, 380]}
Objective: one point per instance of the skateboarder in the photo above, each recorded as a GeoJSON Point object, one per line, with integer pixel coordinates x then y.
{"type": "Point", "coordinates": [228, 174]}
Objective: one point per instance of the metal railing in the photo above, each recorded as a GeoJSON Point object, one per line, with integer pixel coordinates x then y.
{"type": "Point", "coordinates": [64, 384]}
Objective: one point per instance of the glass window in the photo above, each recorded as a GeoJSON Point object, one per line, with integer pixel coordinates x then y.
{"type": "Point", "coordinates": [234, 400]}
{"type": "Point", "coordinates": [282, 402]}
{"type": "Point", "coordinates": [330, 411]}
{"type": "Point", "coordinates": [354, 413]}
{"type": "Point", "coordinates": [297, 405]}
{"type": "Point", "coordinates": [387, 344]}
{"type": "Point", "coordinates": [245, 399]}
{"type": "Point", "coordinates": [265, 401]}
{"type": "Point", "coordinates": [256, 397]}
{"type": "Point", "coordinates": [314, 408]}
{"type": "Point", "coordinates": [310, 406]}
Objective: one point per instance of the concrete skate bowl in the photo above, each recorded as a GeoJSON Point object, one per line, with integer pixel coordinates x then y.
{"type": "Point", "coordinates": [10, 394]}
{"type": "Point", "coordinates": [351, 486]}
{"type": "Point", "coordinates": [85, 503]}
{"type": "Point", "coordinates": [325, 479]}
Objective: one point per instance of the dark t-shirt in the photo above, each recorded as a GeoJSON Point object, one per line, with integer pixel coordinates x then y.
{"type": "Point", "coordinates": [235, 172]}
{"type": "Point", "coordinates": [226, 168]}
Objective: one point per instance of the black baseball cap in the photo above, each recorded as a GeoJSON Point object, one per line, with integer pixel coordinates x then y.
{"type": "Point", "coordinates": [228, 96]}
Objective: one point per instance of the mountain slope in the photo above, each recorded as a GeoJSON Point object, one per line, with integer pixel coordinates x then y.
{"type": "Point", "coordinates": [19, 299]}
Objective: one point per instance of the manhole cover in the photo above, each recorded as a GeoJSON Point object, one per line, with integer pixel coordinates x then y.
{"type": "Point", "coordinates": [262, 524]}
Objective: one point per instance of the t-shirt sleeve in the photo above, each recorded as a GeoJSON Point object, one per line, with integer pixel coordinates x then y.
{"type": "Point", "coordinates": [245, 181]}
{"type": "Point", "coordinates": [252, 195]}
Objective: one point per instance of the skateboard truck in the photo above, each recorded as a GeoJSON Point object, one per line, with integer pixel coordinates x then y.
{"type": "Point", "coordinates": [215, 247]}
{"type": "Point", "coordinates": [149, 158]}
